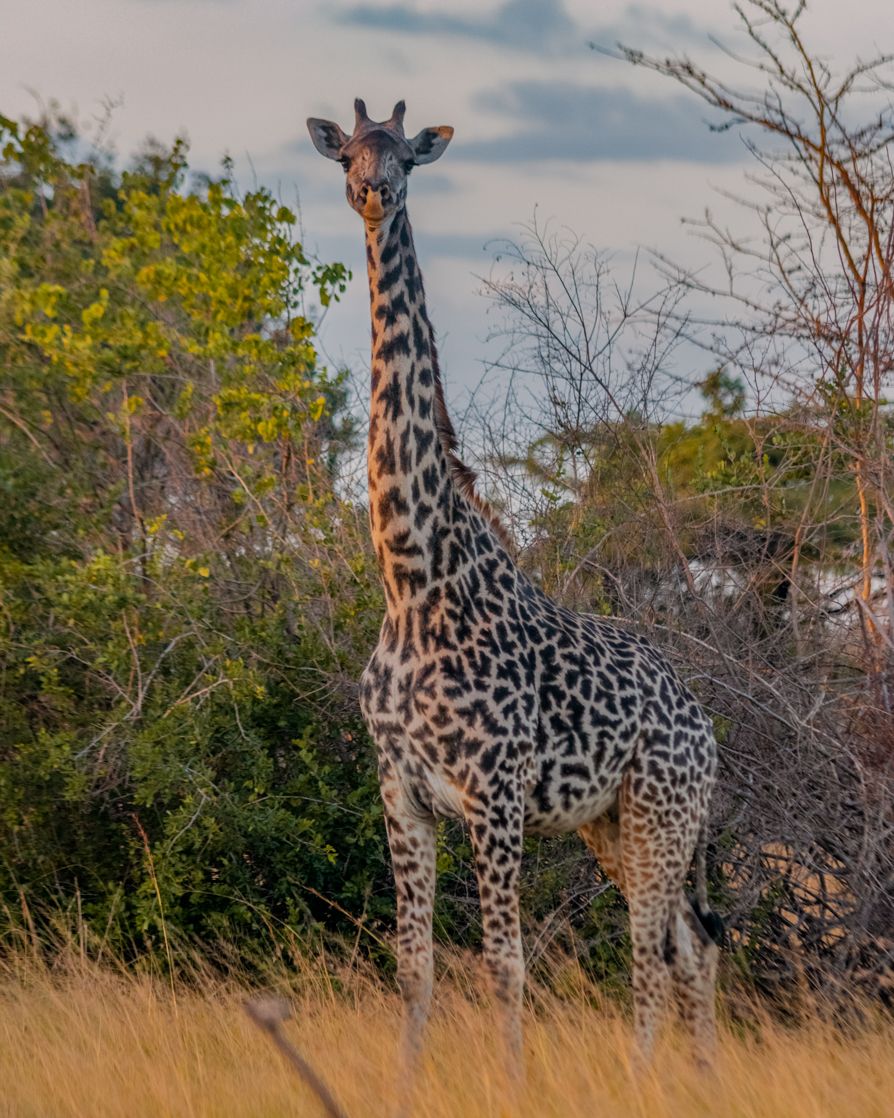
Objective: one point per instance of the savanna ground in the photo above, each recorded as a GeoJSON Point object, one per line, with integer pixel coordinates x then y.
{"type": "Point", "coordinates": [83, 1038]}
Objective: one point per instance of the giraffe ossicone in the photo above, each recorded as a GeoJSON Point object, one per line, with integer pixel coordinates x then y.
{"type": "Point", "coordinates": [487, 700]}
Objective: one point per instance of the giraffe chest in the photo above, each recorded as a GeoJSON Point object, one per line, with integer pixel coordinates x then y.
{"type": "Point", "coordinates": [441, 713]}
{"type": "Point", "coordinates": [455, 701]}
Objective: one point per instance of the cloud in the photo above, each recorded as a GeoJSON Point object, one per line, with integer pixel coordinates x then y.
{"type": "Point", "coordinates": [523, 24]}
{"type": "Point", "coordinates": [564, 120]}
{"type": "Point", "coordinates": [539, 26]}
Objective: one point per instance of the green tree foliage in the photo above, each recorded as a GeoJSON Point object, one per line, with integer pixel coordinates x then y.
{"type": "Point", "coordinates": [185, 600]}
{"type": "Point", "coordinates": [717, 484]}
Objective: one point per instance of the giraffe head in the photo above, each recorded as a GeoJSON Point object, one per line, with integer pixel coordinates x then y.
{"type": "Point", "coordinates": [377, 158]}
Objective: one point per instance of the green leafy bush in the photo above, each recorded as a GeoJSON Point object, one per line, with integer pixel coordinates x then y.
{"type": "Point", "coordinates": [186, 599]}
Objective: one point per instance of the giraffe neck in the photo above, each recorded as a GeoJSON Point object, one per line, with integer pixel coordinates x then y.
{"type": "Point", "coordinates": [412, 496]}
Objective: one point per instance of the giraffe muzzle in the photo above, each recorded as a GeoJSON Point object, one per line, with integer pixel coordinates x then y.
{"type": "Point", "coordinates": [373, 210]}
{"type": "Point", "coordinates": [374, 202]}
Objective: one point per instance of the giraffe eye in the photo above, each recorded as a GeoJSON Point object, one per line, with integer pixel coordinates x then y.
{"type": "Point", "coordinates": [408, 166]}
{"type": "Point", "coordinates": [345, 163]}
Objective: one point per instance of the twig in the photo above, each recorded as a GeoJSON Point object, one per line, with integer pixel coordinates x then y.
{"type": "Point", "coordinates": [268, 1014]}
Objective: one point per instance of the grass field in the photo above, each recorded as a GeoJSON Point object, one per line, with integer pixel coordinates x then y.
{"type": "Point", "coordinates": [86, 1040]}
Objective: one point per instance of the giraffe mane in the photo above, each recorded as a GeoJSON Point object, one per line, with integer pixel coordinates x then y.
{"type": "Point", "coordinates": [464, 477]}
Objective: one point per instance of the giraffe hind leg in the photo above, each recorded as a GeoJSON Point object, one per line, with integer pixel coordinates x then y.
{"type": "Point", "coordinates": [643, 880]}
{"type": "Point", "coordinates": [650, 883]}
{"type": "Point", "coordinates": [603, 837]}
{"type": "Point", "coordinates": [698, 935]}
{"type": "Point", "coordinates": [694, 968]}
{"type": "Point", "coordinates": [687, 940]}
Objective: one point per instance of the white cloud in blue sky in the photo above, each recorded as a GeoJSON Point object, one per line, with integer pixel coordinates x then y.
{"type": "Point", "coordinates": [562, 120]}
{"type": "Point", "coordinates": [537, 26]}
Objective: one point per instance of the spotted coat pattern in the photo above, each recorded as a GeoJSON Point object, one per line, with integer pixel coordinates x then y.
{"type": "Point", "coordinates": [489, 702]}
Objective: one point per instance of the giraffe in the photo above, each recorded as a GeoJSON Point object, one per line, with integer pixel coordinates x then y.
{"type": "Point", "coordinates": [486, 700]}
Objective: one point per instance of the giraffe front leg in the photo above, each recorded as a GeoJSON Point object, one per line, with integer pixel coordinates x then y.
{"type": "Point", "coordinates": [496, 835]}
{"type": "Point", "coordinates": [412, 841]}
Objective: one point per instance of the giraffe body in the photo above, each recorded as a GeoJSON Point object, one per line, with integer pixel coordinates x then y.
{"type": "Point", "coordinates": [561, 705]}
{"type": "Point", "coordinates": [488, 701]}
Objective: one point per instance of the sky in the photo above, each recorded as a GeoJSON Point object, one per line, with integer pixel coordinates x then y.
{"type": "Point", "coordinates": [543, 123]}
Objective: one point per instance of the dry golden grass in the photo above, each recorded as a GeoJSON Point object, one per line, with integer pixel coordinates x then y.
{"type": "Point", "coordinates": [88, 1040]}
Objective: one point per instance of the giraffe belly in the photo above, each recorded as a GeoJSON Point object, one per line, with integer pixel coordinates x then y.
{"type": "Point", "coordinates": [566, 794]}
{"type": "Point", "coordinates": [444, 797]}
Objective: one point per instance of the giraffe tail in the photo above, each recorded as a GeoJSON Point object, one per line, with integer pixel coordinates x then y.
{"type": "Point", "coordinates": [709, 921]}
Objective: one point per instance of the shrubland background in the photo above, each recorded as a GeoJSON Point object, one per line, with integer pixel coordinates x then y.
{"type": "Point", "coordinates": [187, 593]}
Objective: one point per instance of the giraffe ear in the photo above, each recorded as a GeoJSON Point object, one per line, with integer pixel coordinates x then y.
{"type": "Point", "coordinates": [430, 144]}
{"type": "Point", "coordinates": [327, 137]}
